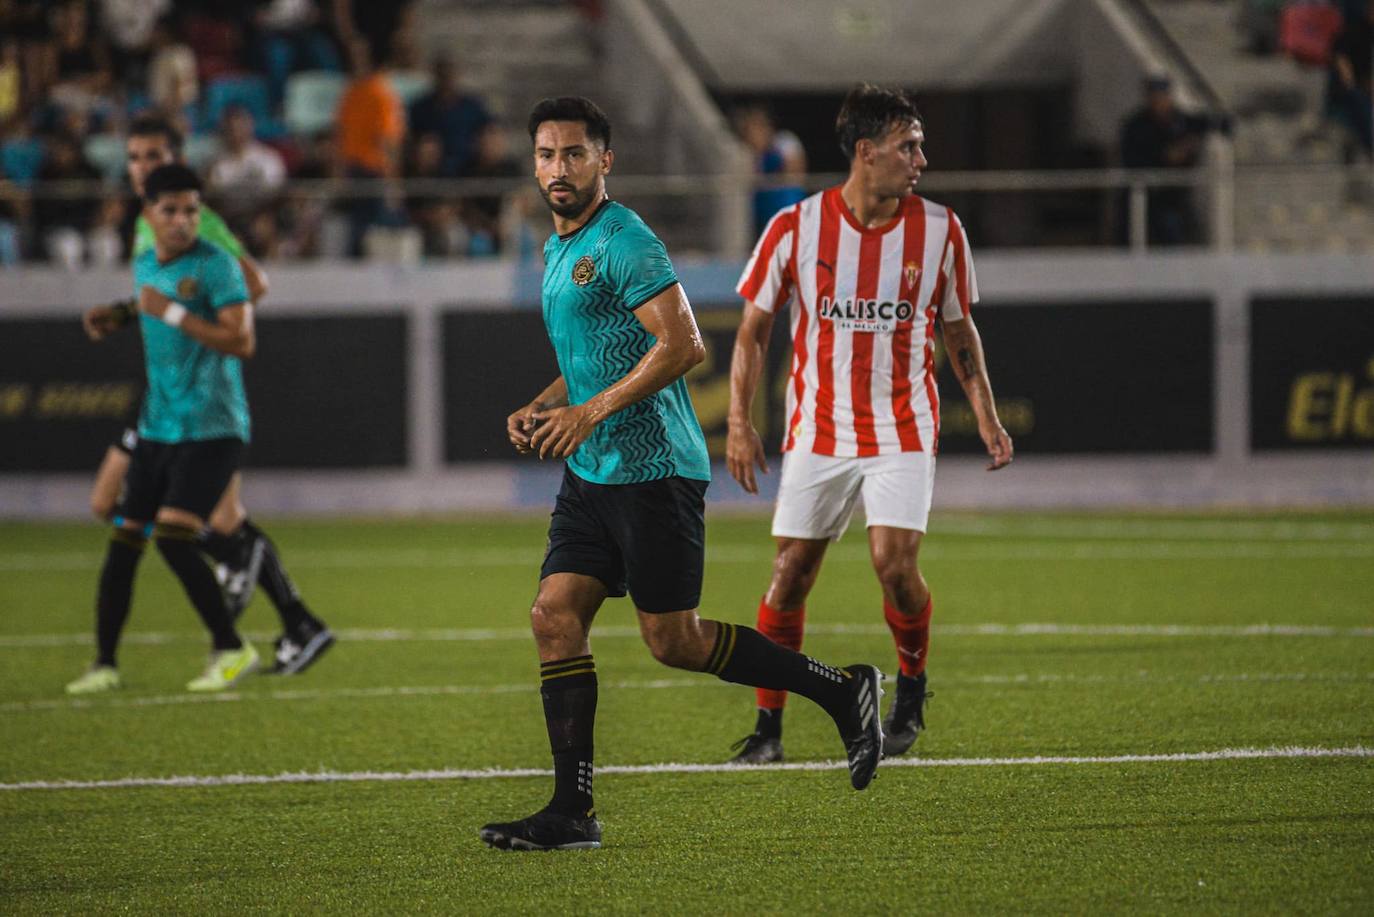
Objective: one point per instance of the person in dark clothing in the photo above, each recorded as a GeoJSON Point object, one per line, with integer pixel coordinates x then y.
{"type": "Point", "coordinates": [456, 116]}
{"type": "Point", "coordinates": [1160, 136]}
{"type": "Point", "coordinates": [1352, 95]}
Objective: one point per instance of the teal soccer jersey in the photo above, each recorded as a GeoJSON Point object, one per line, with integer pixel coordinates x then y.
{"type": "Point", "coordinates": [194, 393]}
{"type": "Point", "coordinates": [594, 279]}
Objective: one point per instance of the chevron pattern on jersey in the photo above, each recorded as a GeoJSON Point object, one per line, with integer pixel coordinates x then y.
{"type": "Point", "coordinates": [599, 341]}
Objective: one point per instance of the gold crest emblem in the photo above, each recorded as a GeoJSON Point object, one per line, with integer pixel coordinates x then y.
{"type": "Point", "coordinates": [583, 271]}
{"type": "Point", "coordinates": [913, 273]}
{"type": "Point", "coordinates": [187, 288]}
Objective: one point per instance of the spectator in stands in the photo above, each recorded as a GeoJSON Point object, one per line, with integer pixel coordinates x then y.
{"type": "Point", "coordinates": [483, 214]}
{"type": "Point", "coordinates": [1160, 136]}
{"type": "Point", "coordinates": [375, 21]}
{"type": "Point", "coordinates": [173, 83]}
{"type": "Point", "coordinates": [74, 229]}
{"type": "Point", "coordinates": [79, 60]}
{"type": "Point", "coordinates": [1352, 95]}
{"type": "Point", "coordinates": [455, 116]}
{"type": "Point", "coordinates": [129, 25]}
{"type": "Point", "coordinates": [371, 124]}
{"type": "Point", "coordinates": [778, 154]}
{"type": "Point", "coordinates": [434, 214]}
{"type": "Point", "coordinates": [303, 211]}
{"type": "Point", "coordinates": [290, 38]}
{"type": "Point", "coordinates": [247, 175]}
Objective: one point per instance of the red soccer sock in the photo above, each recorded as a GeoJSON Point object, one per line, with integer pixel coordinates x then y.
{"type": "Point", "coordinates": [912, 636]}
{"type": "Point", "coordinates": [785, 628]}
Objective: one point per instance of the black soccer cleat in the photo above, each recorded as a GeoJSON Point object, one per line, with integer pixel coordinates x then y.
{"type": "Point", "coordinates": [906, 720]}
{"type": "Point", "coordinates": [238, 575]}
{"type": "Point", "coordinates": [544, 830]}
{"type": "Point", "coordinates": [756, 748]}
{"type": "Point", "coordinates": [299, 647]}
{"type": "Point", "coordinates": [861, 729]}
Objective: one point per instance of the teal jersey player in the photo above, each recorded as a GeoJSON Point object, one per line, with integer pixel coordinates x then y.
{"type": "Point", "coordinates": [594, 280]}
{"type": "Point", "coordinates": [194, 393]}
{"type": "Point", "coordinates": [212, 229]}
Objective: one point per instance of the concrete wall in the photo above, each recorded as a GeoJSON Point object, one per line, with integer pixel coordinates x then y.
{"type": "Point", "coordinates": [1230, 475]}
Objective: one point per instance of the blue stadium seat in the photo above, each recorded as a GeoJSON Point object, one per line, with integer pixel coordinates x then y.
{"type": "Point", "coordinates": [248, 91]}
{"type": "Point", "coordinates": [409, 84]}
{"type": "Point", "coordinates": [200, 150]}
{"type": "Point", "coordinates": [312, 98]}
{"type": "Point", "coordinates": [20, 159]}
{"type": "Point", "coordinates": [106, 153]}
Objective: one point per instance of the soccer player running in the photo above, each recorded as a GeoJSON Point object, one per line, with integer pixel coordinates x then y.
{"type": "Point", "coordinates": [244, 554]}
{"type": "Point", "coordinates": [867, 267]}
{"type": "Point", "coordinates": [197, 324]}
{"type": "Point", "coordinates": [630, 515]}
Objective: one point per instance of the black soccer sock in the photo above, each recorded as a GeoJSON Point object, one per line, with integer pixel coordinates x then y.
{"type": "Point", "coordinates": [177, 545]}
{"type": "Point", "coordinates": [219, 547]}
{"type": "Point", "coordinates": [277, 584]}
{"type": "Point", "coordinates": [769, 723]}
{"type": "Point", "coordinates": [568, 687]}
{"type": "Point", "coordinates": [116, 591]}
{"type": "Point", "coordinates": [746, 657]}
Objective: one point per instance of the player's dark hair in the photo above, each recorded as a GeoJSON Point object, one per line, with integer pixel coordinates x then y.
{"type": "Point", "coordinates": [157, 126]}
{"type": "Point", "coordinates": [869, 112]}
{"type": "Point", "coordinates": [169, 179]}
{"type": "Point", "coordinates": [573, 108]}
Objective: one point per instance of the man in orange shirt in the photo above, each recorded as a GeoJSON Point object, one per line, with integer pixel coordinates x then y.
{"type": "Point", "coordinates": [371, 123]}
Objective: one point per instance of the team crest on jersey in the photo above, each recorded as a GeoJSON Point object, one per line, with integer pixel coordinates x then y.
{"type": "Point", "coordinates": [583, 271]}
{"type": "Point", "coordinates": [912, 271]}
{"type": "Point", "coordinates": [187, 288]}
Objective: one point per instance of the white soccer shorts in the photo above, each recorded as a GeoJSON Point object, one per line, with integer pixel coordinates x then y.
{"type": "Point", "coordinates": [817, 493]}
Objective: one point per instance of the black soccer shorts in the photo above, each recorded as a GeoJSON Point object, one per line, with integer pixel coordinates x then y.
{"type": "Point", "coordinates": [190, 476]}
{"type": "Point", "coordinates": [646, 539]}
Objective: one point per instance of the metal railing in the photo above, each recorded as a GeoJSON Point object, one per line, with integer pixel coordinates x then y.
{"type": "Point", "coordinates": [1216, 182]}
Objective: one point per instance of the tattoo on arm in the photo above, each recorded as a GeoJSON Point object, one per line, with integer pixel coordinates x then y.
{"type": "Point", "coordinates": [967, 364]}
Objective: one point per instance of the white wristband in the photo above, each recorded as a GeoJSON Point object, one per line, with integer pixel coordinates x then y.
{"type": "Point", "coordinates": [174, 315]}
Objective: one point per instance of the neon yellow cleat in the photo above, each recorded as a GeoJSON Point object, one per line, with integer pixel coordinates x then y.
{"type": "Point", "coordinates": [96, 679]}
{"type": "Point", "coordinates": [225, 668]}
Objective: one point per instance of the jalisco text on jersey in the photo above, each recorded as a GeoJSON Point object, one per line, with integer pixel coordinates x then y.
{"type": "Point", "coordinates": [866, 310]}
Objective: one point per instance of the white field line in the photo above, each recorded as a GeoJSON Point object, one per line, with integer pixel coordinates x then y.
{"type": "Point", "coordinates": [485, 634]}
{"type": "Point", "coordinates": [1222, 754]}
{"type": "Point", "coordinates": [760, 552]}
{"type": "Point", "coordinates": [530, 687]}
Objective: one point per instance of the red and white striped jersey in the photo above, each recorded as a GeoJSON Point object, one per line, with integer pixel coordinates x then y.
{"type": "Point", "coordinates": [864, 304]}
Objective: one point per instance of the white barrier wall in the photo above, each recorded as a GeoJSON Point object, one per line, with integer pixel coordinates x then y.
{"type": "Point", "coordinates": [1322, 454]}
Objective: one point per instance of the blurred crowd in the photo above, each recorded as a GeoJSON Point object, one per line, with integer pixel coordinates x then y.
{"type": "Point", "coordinates": [278, 99]}
{"type": "Point", "coordinates": [1335, 35]}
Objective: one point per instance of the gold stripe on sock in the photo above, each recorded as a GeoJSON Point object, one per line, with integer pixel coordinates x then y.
{"type": "Point", "coordinates": [175, 532]}
{"type": "Point", "coordinates": [589, 670]}
{"type": "Point", "coordinates": [131, 537]}
{"type": "Point", "coordinates": [557, 665]}
{"type": "Point", "coordinates": [725, 647]}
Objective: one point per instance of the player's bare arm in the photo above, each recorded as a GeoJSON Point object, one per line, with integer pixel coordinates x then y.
{"type": "Point", "coordinates": [521, 423]}
{"type": "Point", "coordinates": [255, 277]}
{"type": "Point", "coordinates": [231, 332]}
{"type": "Point", "coordinates": [677, 348]}
{"type": "Point", "coordinates": [743, 445]}
{"type": "Point", "coordinates": [965, 349]}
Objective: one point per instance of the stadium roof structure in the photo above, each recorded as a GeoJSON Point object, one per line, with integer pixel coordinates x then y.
{"type": "Point", "coordinates": [757, 45]}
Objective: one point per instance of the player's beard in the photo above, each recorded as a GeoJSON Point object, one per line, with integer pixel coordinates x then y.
{"type": "Point", "coordinates": [580, 200]}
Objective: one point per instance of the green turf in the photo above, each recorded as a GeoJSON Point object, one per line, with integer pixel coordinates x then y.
{"type": "Point", "coordinates": [1266, 835]}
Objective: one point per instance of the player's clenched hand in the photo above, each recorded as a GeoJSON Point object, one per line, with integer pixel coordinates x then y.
{"type": "Point", "coordinates": [561, 431]}
{"type": "Point", "coordinates": [744, 451]}
{"type": "Point", "coordinates": [152, 301]}
{"type": "Point", "coordinates": [100, 321]}
{"type": "Point", "coordinates": [520, 425]}
{"type": "Point", "coordinates": [998, 443]}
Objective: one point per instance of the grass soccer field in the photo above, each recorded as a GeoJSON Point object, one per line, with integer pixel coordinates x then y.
{"type": "Point", "coordinates": [1133, 713]}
